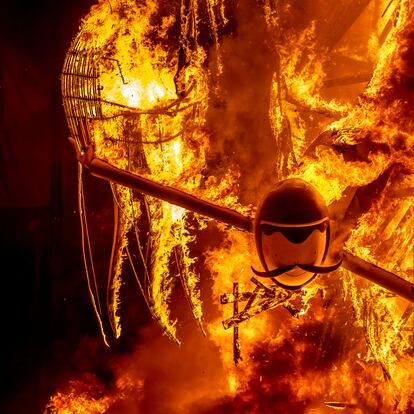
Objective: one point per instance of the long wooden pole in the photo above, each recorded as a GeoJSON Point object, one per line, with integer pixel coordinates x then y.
{"type": "Point", "coordinates": [179, 198]}
{"type": "Point", "coordinates": [369, 271]}
{"type": "Point", "coordinates": [380, 276]}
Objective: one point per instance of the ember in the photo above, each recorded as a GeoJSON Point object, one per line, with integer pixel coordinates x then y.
{"type": "Point", "coordinates": [162, 100]}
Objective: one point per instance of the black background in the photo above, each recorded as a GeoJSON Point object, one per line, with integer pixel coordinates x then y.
{"type": "Point", "coordinates": [44, 307]}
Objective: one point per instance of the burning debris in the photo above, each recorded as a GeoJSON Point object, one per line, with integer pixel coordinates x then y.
{"type": "Point", "coordinates": [261, 299]}
{"type": "Point", "coordinates": [90, 395]}
{"type": "Point", "coordinates": [152, 95]}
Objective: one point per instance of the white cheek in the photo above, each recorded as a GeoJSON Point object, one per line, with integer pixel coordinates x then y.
{"type": "Point", "coordinates": [279, 251]}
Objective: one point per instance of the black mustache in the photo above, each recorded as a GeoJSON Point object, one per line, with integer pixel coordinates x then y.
{"type": "Point", "coordinates": [307, 268]}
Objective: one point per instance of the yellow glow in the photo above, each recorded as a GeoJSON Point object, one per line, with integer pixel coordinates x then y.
{"type": "Point", "coordinates": [144, 118]}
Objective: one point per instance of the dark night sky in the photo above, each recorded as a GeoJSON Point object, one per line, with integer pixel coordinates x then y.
{"type": "Point", "coordinates": [42, 290]}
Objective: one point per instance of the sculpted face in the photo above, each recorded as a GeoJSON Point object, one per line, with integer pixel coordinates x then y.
{"type": "Point", "coordinates": [284, 246]}
{"type": "Point", "coordinates": [292, 234]}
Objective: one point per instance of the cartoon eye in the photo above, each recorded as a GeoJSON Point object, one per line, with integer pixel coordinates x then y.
{"type": "Point", "coordinates": [293, 234]}
{"type": "Point", "coordinates": [321, 226]}
{"type": "Point", "coordinates": [297, 234]}
{"type": "Point", "coordinates": [268, 229]}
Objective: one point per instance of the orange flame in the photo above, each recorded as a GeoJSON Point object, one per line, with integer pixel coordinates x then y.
{"type": "Point", "coordinates": [152, 127]}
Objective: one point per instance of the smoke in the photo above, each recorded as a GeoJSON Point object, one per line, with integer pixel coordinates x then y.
{"type": "Point", "coordinates": [238, 112]}
{"type": "Point", "coordinates": [304, 362]}
{"type": "Point", "coordinates": [154, 376]}
{"type": "Point", "coordinates": [175, 379]}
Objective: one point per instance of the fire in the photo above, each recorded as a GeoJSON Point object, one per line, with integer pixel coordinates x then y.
{"type": "Point", "coordinates": [146, 78]}
{"type": "Point", "coordinates": [89, 395]}
{"type": "Point", "coordinates": [379, 118]}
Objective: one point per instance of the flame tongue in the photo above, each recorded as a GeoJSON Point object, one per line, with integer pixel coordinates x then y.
{"type": "Point", "coordinates": [144, 92]}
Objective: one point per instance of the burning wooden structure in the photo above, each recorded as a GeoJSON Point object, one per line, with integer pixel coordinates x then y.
{"type": "Point", "coordinates": [164, 91]}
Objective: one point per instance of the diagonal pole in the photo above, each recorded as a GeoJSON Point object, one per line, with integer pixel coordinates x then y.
{"type": "Point", "coordinates": [102, 169]}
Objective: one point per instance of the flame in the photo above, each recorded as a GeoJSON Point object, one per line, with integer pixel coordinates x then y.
{"type": "Point", "coordinates": [155, 122]}
{"type": "Point", "coordinates": [89, 395]}
{"type": "Point", "coordinates": [383, 234]}
{"type": "Point", "coordinates": [139, 101]}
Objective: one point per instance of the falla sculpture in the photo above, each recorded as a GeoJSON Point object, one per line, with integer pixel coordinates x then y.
{"type": "Point", "coordinates": [291, 227]}
{"type": "Point", "coordinates": [161, 113]}
{"type": "Point", "coordinates": [112, 115]}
